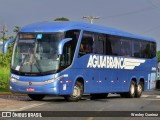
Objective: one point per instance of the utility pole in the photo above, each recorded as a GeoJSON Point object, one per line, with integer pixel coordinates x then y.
{"type": "Point", "coordinates": [4, 32]}
{"type": "Point", "coordinates": [91, 18]}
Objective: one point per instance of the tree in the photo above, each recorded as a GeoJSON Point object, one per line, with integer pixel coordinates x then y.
{"type": "Point", "coordinates": [158, 54]}
{"type": "Point", "coordinates": [61, 19]}
{"type": "Point", "coordinates": [16, 29]}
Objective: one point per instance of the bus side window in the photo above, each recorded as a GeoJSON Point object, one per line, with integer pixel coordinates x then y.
{"type": "Point", "coordinates": [99, 46]}
{"type": "Point", "coordinates": [108, 47]}
{"type": "Point", "coordinates": [115, 45]}
{"type": "Point", "coordinates": [86, 45]}
{"type": "Point", "coordinates": [145, 49]}
{"type": "Point", "coordinates": [153, 50]}
{"type": "Point", "coordinates": [136, 49]}
{"type": "Point", "coordinates": [125, 49]}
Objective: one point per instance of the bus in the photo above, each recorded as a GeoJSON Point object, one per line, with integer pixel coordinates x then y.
{"type": "Point", "coordinates": [70, 59]}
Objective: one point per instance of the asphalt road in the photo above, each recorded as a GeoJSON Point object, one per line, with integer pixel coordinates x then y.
{"type": "Point", "coordinates": [150, 101]}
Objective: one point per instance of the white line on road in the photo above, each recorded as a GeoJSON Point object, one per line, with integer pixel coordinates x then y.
{"type": "Point", "coordinates": [145, 96]}
{"type": "Point", "coordinates": [27, 107]}
{"type": "Point", "coordinates": [157, 96]}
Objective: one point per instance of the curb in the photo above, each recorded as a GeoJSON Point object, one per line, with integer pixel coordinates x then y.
{"type": "Point", "coordinates": [5, 93]}
{"type": "Point", "coordinates": [12, 94]}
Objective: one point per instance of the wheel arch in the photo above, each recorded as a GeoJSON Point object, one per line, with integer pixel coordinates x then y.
{"type": "Point", "coordinates": [134, 79]}
{"type": "Point", "coordinates": [81, 80]}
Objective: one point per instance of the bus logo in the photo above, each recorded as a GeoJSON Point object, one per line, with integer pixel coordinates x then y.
{"type": "Point", "coordinates": [96, 61]}
{"type": "Point", "coordinates": [30, 83]}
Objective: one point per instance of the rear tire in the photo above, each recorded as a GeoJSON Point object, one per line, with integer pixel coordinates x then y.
{"type": "Point", "coordinates": [36, 97]}
{"type": "Point", "coordinates": [77, 93]}
{"type": "Point", "coordinates": [139, 90]}
{"type": "Point", "coordinates": [132, 90]}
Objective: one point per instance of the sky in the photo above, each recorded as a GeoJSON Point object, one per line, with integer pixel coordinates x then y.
{"type": "Point", "coordinates": [141, 17]}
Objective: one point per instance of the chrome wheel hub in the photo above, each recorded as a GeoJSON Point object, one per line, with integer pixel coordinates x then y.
{"type": "Point", "coordinates": [139, 88]}
{"type": "Point", "coordinates": [132, 89]}
{"type": "Point", "coordinates": [76, 92]}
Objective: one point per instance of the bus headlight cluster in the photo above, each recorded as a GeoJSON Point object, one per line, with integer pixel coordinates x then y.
{"type": "Point", "coordinates": [55, 79]}
{"type": "Point", "coordinates": [52, 80]}
{"type": "Point", "coordinates": [13, 80]}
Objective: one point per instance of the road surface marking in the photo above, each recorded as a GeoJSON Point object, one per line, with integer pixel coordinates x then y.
{"type": "Point", "coordinates": [145, 96]}
{"type": "Point", "coordinates": [157, 96]}
{"type": "Point", "coordinates": [90, 118]}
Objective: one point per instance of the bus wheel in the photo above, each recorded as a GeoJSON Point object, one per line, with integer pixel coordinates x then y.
{"type": "Point", "coordinates": [77, 93]}
{"type": "Point", "coordinates": [132, 90]}
{"type": "Point", "coordinates": [36, 96]}
{"type": "Point", "coordinates": [139, 90]}
{"type": "Point", "coordinates": [98, 96]}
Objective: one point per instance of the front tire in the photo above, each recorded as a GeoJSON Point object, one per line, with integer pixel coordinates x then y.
{"type": "Point", "coordinates": [36, 97]}
{"type": "Point", "coordinates": [77, 93]}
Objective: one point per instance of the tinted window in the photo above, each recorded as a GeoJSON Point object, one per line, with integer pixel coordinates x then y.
{"type": "Point", "coordinates": [86, 45]}
{"type": "Point", "coordinates": [145, 49]}
{"type": "Point", "coordinates": [136, 49]}
{"type": "Point", "coordinates": [115, 45]}
{"type": "Point", "coordinates": [125, 47]}
{"type": "Point", "coordinates": [99, 44]}
{"type": "Point", "coordinates": [153, 49]}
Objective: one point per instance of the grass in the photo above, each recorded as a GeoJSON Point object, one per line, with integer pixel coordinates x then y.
{"type": "Point", "coordinates": [4, 90]}
{"type": "Point", "coordinates": [4, 78]}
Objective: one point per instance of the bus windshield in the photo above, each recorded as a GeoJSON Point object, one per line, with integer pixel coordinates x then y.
{"type": "Point", "coordinates": [36, 53]}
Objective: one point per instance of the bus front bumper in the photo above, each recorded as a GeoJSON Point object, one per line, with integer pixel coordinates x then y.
{"type": "Point", "coordinates": [51, 88]}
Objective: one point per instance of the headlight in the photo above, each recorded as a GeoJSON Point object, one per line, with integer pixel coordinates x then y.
{"type": "Point", "coordinates": [52, 80]}
{"type": "Point", "coordinates": [13, 80]}
{"type": "Point", "coordinates": [55, 79]}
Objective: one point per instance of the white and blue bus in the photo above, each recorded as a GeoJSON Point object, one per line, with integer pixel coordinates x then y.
{"type": "Point", "coordinates": [70, 59]}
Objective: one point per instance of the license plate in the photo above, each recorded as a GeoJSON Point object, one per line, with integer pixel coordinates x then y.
{"type": "Point", "coordinates": [30, 89]}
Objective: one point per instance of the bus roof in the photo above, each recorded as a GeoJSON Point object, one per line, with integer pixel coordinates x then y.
{"type": "Point", "coordinates": [57, 26]}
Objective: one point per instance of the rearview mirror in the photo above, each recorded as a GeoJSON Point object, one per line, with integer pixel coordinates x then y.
{"type": "Point", "coordinates": [6, 44]}
{"type": "Point", "coordinates": [61, 44]}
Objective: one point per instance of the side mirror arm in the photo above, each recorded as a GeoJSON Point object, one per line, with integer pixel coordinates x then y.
{"type": "Point", "coordinates": [6, 44]}
{"type": "Point", "coordinates": [61, 45]}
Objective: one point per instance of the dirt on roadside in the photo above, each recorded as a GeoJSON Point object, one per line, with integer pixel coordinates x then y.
{"type": "Point", "coordinates": [7, 100]}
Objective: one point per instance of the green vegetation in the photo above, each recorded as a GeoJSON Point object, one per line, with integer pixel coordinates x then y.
{"type": "Point", "coordinates": [158, 55]}
{"type": "Point", "coordinates": [5, 60]}
{"type": "Point", "coordinates": [61, 19]}
{"type": "Point", "coordinates": [4, 89]}
{"type": "Point", "coordinates": [5, 69]}
{"type": "Point", "coordinates": [16, 29]}
{"type": "Point", "coordinates": [4, 77]}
